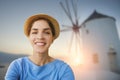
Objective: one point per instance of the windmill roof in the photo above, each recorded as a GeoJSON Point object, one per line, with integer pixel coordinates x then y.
{"type": "Point", "coordinates": [96, 15]}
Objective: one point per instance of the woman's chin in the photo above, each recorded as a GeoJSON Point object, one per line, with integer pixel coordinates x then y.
{"type": "Point", "coordinates": [40, 51]}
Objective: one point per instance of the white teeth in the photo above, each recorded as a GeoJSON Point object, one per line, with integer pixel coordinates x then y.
{"type": "Point", "coordinates": [40, 44]}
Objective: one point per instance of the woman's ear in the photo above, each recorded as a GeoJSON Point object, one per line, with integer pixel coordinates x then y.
{"type": "Point", "coordinates": [52, 40]}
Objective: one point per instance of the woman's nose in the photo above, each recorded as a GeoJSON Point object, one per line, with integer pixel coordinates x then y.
{"type": "Point", "coordinates": [40, 36]}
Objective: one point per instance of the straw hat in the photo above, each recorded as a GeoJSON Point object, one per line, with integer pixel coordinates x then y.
{"type": "Point", "coordinates": [32, 18]}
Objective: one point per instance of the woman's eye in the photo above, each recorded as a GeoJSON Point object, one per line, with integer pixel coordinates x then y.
{"type": "Point", "coordinates": [47, 32]}
{"type": "Point", "coordinates": [34, 32]}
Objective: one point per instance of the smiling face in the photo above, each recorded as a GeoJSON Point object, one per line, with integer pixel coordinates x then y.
{"type": "Point", "coordinates": [40, 36]}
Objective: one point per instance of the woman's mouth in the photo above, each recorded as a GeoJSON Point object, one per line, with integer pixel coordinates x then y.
{"type": "Point", "coordinates": [40, 43]}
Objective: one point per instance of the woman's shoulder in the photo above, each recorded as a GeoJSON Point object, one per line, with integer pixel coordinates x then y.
{"type": "Point", "coordinates": [61, 63]}
{"type": "Point", "coordinates": [19, 60]}
{"type": "Point", "coordinates": [64, 69]}
{"type": "Point", "coordinates": [58, 61]}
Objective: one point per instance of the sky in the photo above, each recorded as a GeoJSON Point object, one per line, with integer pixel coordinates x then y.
{"type": "Point", "coordinates": [13, 14]}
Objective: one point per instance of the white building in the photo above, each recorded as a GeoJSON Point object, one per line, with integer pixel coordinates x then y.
{"type": "Point", "coordinates": [101, 47]}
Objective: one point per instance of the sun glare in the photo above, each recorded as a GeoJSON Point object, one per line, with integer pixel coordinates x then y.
{"type": "Point", "coordinates": [75, 59]}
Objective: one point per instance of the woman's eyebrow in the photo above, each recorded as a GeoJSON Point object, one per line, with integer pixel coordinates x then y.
{"type": "Point", "coordinates": [47, 29]}
{"type": "Point", "coordinates": [35, 29]}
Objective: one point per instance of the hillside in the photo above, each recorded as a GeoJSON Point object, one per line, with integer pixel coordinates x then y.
{"type": "Point", "coordinates": [8, 57]}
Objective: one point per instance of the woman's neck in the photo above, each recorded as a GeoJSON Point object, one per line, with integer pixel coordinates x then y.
{"type": "Point", "coordinates": [40, 59]}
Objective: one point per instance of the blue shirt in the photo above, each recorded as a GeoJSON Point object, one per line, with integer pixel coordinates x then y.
{"type": "Point", "coordinates": [24, 69]}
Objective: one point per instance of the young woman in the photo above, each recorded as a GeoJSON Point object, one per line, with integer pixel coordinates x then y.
{"type": "Point", "coordinates": [41, 30]}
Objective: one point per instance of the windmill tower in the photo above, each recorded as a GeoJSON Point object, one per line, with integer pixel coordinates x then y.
{"type": "Point", "coordinates": [101, 46]}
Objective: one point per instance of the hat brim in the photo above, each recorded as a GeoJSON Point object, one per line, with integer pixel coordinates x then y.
{"type": "Point", "coordinates": [31, 19]}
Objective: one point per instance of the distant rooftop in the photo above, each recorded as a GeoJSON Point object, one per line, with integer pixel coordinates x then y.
{"type": "Point", "coordinates": [96, 15]}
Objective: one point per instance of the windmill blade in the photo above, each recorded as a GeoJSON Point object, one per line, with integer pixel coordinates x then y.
{"type": "Point", "coordinates": [67, 26]}
{"type": "Point", "coordinates": [79, 41]}
{"type": "Point", "coordinates": [64, 30]}
{"type": "Point", "coordinates": [78, 38]}
{"type": "Point", "coordinates": [67, 12]}
{"type": "Point", "coordinates": [67, 4]}
{"type": "Point", "coordinates": [71, 42]}
{"type": "Point", "coordinates": [75, 9]}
